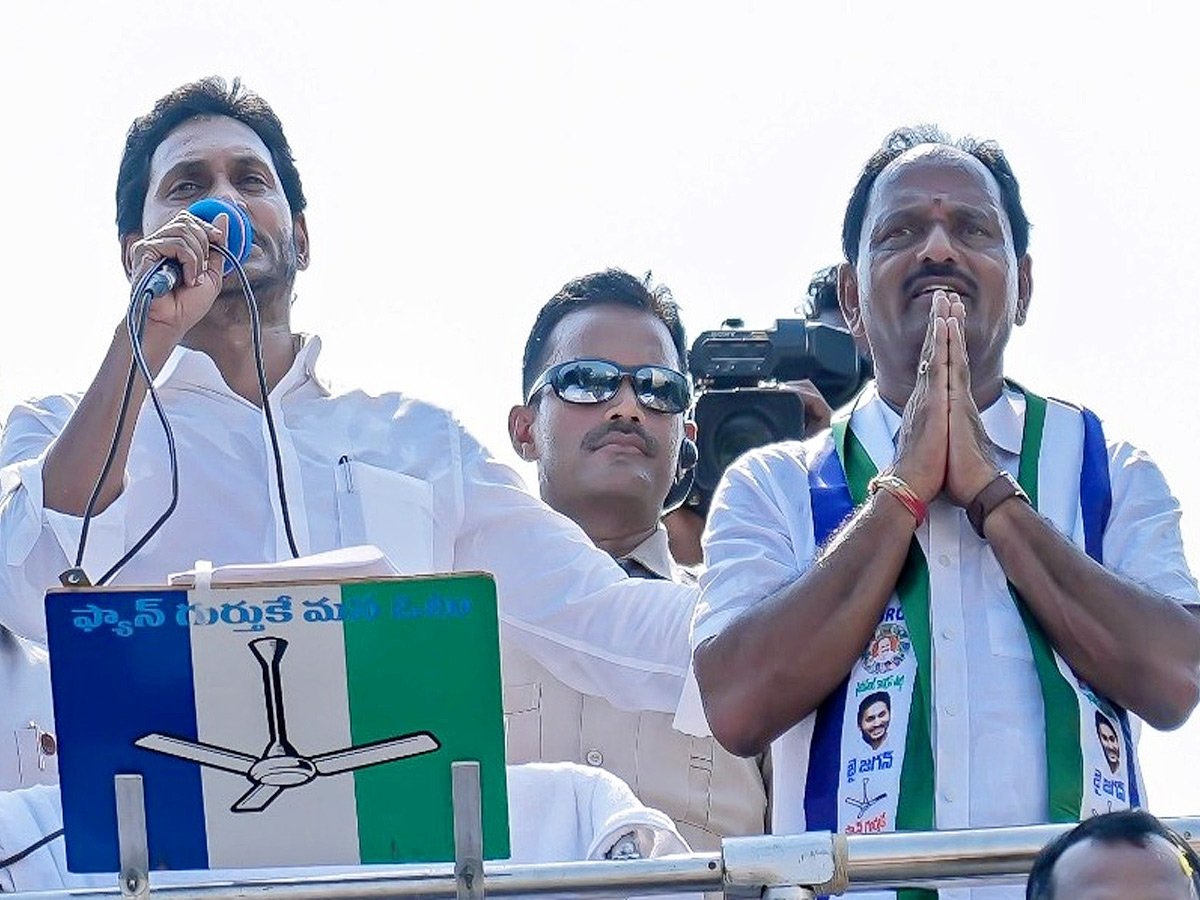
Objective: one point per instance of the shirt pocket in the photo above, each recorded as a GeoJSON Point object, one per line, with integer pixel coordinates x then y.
{"type": "Point", "coordinates": [37, 756]}
{"type": "Point", "coordinates": [523, 723]}
{"type": "Point", "coordinates": [390, 510]}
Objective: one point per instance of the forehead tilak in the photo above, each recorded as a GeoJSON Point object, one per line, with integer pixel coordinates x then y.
{"type": "Point", "coordinates": [901, 181]}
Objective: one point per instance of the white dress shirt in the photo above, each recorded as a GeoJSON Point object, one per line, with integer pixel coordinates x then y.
{"type": "Point", "coordinates": [988, 734]}
{"type": "Point", "coordinates": [386, 470]}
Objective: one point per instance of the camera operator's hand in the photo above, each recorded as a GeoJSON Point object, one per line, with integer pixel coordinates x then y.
{"type": "Point", "coordinates": [921, 455]}
{"type": "Point", "coordinates": [817, 412]}
{"type": "Point", "coordinates": [969, 463]}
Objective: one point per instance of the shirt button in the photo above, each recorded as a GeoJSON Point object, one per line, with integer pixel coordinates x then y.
{"type": "Point", "coordinates": [594, 757]}
{"type": "Point", "coordinates": [950, 709]}
{"type": "Point", "coordinates": [947, 797]}
{"type": "Point", "coordinates": [943, 559]}
{"type": "Point", "coordinates": [948, 634]}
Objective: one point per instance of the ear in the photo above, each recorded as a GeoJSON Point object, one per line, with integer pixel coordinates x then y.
{"type": "Point", "coordinates": [300, 239]}
{"type": "Point", "coordinates": [689, 430]}
{"type": "Point", "coordinates": [848, 299]}
{"type": "Point", "coordinates": [520, 432]}
{"type": "Point", "coordinates": [1024, 287]}
{"type": "Point", "coordinates": [127, 242]}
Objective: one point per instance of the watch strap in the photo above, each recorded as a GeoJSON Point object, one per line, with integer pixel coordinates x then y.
{"type": "Point", "coordinates": [1001, 488]}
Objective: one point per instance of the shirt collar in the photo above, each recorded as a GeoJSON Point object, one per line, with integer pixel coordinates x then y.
{"type": "Point", "coordinates": [196, 368]}
{"type": "Point", "coordinates": [654, 553]}
{"type": "Point", "coordinates": [1004, 420]}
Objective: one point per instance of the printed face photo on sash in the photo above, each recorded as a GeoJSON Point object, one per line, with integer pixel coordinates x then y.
{"type": "Point", "coordinates": [1113, 780]}
{"type": "Point", "coordinates": [874, 717]}
{"type": "Point", "coordinates": [1110, 743]}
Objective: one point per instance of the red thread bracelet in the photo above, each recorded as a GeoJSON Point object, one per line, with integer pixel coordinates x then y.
{"type": "Point", "coordinates": [898, 488]}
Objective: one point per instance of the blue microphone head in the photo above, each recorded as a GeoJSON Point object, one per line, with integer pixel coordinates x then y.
{"type": "Point", "coordinates": [241, 232]}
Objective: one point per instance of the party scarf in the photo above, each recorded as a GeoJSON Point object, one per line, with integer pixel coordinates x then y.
{"type": "Point", "coordinates": [880, 775]}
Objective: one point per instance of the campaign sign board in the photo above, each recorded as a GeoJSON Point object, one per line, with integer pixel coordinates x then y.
{"type": "Point", "coordinates": [278, 725]}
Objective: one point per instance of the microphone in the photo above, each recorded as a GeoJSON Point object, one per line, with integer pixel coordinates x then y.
{"type": "Point", "coordinates": [238, 241]}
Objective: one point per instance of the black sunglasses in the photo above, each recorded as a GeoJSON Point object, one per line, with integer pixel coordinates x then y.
{"type": "Point", "coordinates": [597, 380]}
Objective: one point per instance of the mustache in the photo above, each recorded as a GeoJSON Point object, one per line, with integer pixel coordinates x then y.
{"type": "Point", "coordinates": [594, 439]}
{"type": "Point", "coordinates": [939, 270]}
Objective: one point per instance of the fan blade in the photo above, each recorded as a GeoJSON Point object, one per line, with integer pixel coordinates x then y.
{"type": "Point", "coordinates": [256, 799]}
{"type": "Point", "coordinates": [373, 754]}
{"type": "Point", "coordinates": [197, 752]}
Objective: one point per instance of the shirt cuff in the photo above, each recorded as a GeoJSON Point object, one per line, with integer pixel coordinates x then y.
{"type": "Point", "coordinates": [106, 532]}
{"type": "Point", "coordinates": [689, 716]}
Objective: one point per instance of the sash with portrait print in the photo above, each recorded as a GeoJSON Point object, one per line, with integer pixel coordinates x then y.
{"type": "Point", "coordinates": [871, 762]}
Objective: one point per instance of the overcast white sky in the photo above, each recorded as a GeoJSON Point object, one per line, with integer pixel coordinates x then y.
{"type": "Point", "coordinates": [463, 160]}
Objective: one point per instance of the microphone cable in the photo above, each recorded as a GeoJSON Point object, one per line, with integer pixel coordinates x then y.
{"type": "Point", "coordinates": [264, 392]}
{"type": "Point", "coordinates": [36, 845]}
{"type": "Point", "coordinates": [135, 320]}
{"type": "Point", "coordinates": [90, 509]}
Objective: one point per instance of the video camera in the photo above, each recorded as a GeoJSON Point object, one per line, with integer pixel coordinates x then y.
{"type": "Point", "coordinates": [740, 401]}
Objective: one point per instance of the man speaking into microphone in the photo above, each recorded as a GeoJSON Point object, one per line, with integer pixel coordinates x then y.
{"type": "Point", "coordinates": [309, 471]}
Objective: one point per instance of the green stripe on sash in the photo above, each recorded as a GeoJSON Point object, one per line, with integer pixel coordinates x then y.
{"type": "Point", "coordinates": [915, 805]}
{"type": "Point", "coordinates": [1064, 757]}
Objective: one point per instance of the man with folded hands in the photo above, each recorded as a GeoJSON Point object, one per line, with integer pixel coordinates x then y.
{"type": "Point", "coordinates": [988, 557]}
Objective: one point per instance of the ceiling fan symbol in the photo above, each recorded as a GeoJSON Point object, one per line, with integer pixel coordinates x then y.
{"type": "Point", "coordinates": [280, 765]}
{"type": "Point", "coordinates": [866, 802]}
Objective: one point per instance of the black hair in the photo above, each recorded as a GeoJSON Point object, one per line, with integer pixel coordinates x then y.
{"type": "Point", "coordinates": [1128, 826]}
{"type": "Point", "coordinates": [207, 97]}
{"type": "Point", "coordinates": [612, 286]}
{"type": "Point", "coordinates": [878, 697]}
{"type": "Point", "coordinates": [904, 139]}
{"type": "Point", "coordinates": [1102, 719]}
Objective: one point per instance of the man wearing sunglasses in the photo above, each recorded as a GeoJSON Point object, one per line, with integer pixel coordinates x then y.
{"type": "Point", "coordinates": [604, 419]}
{"type": "Point", "coordinates": [984, 555]}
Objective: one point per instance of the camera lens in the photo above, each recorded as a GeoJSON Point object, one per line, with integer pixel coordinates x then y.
{"type": "Point", "coordinates": [740, 432]}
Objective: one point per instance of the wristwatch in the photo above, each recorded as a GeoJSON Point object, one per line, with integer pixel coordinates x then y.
{"type": "Point", "coordinates": [1001, 488]}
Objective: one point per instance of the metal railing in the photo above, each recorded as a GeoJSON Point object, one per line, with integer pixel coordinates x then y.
{"type": "Point", "coordinates": [784, 867]}
{"type": "Point", "coordinates": [788, 866]}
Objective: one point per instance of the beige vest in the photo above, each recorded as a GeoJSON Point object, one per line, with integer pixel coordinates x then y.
{"type": "Point", "coordinates": [28, 749]}
{"type": "Point", "coordinates": [707, 791]}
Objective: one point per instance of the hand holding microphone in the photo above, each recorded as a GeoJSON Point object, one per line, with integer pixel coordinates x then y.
{"type": "Point", "coordinates": [186, 268]}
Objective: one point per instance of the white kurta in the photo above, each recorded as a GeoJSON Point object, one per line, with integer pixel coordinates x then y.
{"type": "Point", "coordinates": [386, 470]}
{"type": "Point", "coordinates": [988, 732]}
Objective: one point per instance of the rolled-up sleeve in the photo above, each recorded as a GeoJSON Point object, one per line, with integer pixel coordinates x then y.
{"type": "Point", "coordinates": [758, 538]}
{"type": "Point", "coordinates": [39, 544]}
{"type": "Point", "coordinates": [1143, 541]}
{"type": "Point", "coordinates": [565, 601]}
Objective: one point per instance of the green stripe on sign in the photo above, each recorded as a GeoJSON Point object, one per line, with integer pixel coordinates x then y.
{"type": "Point", "coordinates": [423, 655]}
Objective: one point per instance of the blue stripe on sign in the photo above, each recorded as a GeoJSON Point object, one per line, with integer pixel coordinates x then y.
{"type": "Point", "coordinates": [831, 506]}
{"type": "Point", "coordinates": [109, 690]}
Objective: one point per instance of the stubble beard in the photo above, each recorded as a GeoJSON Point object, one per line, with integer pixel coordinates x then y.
{"type": "Point", "coordinates": [272, 291]}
